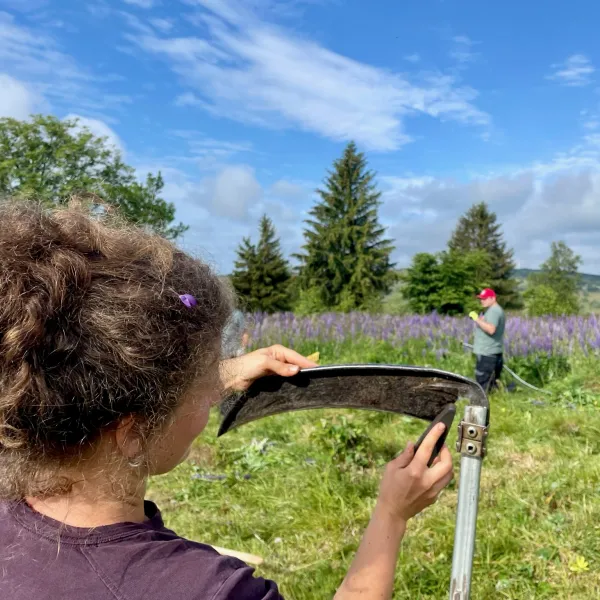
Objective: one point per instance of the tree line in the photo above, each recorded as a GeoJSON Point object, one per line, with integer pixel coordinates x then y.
{"type": "Point", "coordinates": [345, 262]}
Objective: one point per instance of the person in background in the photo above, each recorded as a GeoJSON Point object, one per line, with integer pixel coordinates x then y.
{"type": "Point", "coordinates": [488, 346]}
{"type": "Point", "coordinates": [234, 343]}
{"type": "Point", "coordinates": [110, 361]}
{"type": "Point", "coordinates": [235, 336]}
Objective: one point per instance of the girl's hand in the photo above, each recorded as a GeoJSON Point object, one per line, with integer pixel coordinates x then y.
{"type": "Point", "coordinates": [408, 485]}
{"type": "Point", "coordinates": [239, 373]}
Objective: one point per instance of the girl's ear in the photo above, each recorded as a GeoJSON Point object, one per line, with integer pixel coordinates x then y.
{"type": "Point", "coordinates": [128, 442]}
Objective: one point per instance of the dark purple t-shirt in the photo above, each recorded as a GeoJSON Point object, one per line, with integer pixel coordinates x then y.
{"type": "Point", "coordinates": [43, 559]}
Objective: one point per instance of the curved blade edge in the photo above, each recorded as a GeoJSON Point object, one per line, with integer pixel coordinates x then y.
{"type": "Point", "coordinates": [419, 392]}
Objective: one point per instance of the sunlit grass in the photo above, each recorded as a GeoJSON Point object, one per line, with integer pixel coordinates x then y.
{"type": "Point", "coordinates": [538, 529]}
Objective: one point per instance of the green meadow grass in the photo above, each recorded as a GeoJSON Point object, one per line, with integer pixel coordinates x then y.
{"type": "Point", "coordinates": [314, 478]}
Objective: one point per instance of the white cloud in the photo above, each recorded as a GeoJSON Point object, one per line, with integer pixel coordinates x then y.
{"type": "Point", "coordinates": [163, 25]}
{"type": "Point", "coordinates": [575, 71]}
{"type": "Point", "coordinates": [205, 153]}
{"type": "Point", "coordinates": [26, 6]}
{"type": "Point", "coordinates": [590, 121]}
{"type": "Point", "coordinates": [289, 9]}
{"type": "Point", "coordinates": [223, 208]}
{"type": "Point", "coordinates": [189, 99]}
{"type": "Point", "coordinates": [100, 129]}
{"type": "Point", "coordinates": [141, 3]}
{"type": "Point", "coordinates": [38, 61]}
{"type": "Point", "coordinates": [233, 191]}
{"type": "Point", "coordinates": [100, 9]}
{"type": "Point", "coordinates": [462, 51]}
{"type": "Point", "coordinates": [135, 22]}
{"type": "Point", "coordinates": [230, 193]}
{"type": "Point", "coordinates": [251, 71]}
{"type": "Point", "coordinates": [287, 190]}
{"type": "Point", "coordinates": [208, 148]}
{"type": "Point", "coordinates": [413, 58]}
{"type": "Point", "coordinates": [145, 26]}
{"type": "Point", "coordinates": [17, 100]}
{"type": "Point", "coordinates": [536, 204]}
{"type": "Point", "coordinates": [33, 54]}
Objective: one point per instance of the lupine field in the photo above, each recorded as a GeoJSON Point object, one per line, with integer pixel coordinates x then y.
{"type": "Point", "coordinates": [440, 334]}
{"type": "Point", "coordinates": [297, 489]}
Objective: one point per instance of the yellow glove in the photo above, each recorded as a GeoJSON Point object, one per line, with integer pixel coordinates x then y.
{"type": "Point", "coordinates": [314, 357]}
{"type": "Point", "coordinates": [473, 315]}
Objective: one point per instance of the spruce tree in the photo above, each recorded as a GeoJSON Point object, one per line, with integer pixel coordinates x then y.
{"type": "Point", "coordinates": [262, 275]}
{"type": "Point", "coordinates": [422, 283]}
{"type": "Point", "coordinates": [243, 275]}
{"type": "Point", "coordinates": [478, 229]}
{"type": "Point", "coordinates": [346, 259]}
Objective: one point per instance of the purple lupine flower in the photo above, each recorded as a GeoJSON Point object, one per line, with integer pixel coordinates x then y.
{"type": "Point", "coordinates": [523, 337]}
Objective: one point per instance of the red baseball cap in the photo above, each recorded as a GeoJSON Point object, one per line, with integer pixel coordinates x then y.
{"type": "Point", "coordinates": [487, 293]}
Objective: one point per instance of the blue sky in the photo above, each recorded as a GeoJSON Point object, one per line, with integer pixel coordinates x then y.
{"type": "Point", "coordinates": [244, 104]}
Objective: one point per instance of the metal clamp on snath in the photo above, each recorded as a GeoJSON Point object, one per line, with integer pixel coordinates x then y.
{"type": "Point", "coordinates": [471, 439]}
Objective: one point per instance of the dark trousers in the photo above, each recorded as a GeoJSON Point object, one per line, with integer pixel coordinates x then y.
{"type": "Point", "coordinates": [488, 370]}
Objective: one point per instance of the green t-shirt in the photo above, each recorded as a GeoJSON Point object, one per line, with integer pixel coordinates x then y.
{"type": "Point", "coordinates": [486, 344]}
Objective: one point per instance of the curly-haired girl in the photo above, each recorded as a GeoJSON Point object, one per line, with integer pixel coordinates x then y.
{"type": "Point", "coordinates": [110, 359]}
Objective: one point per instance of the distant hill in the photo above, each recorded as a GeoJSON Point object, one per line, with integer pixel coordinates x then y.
{"type": "Point", "coordinates": [589, 283]}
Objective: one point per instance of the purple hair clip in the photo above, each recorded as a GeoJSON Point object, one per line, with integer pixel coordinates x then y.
{"type": "Point", "coordinates": [188, 300]}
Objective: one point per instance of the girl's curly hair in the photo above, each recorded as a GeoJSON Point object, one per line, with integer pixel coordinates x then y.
{"type": "Point", "coordinates": [92, 329]}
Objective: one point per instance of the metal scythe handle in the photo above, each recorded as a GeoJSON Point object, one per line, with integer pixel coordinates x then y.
{"type": "Point", "coordinates": [471, 443]}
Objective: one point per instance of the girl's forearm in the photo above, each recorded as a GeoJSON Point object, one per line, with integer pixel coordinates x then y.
{"type": "Point", "coordinates": [228, 374]}
{"type": "Point", "coordinates": [371, 575]}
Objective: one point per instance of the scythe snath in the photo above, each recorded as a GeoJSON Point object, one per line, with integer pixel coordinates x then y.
{"type": "Point", "coordinates": [418, 392]}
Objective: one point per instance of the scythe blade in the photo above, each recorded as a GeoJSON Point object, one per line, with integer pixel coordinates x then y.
{"type": "Point", "coordinates": [419, 392]}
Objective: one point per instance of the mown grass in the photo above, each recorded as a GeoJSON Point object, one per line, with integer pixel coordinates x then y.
{"type": "Point", "coordinates": [312, 487]}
